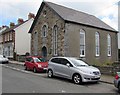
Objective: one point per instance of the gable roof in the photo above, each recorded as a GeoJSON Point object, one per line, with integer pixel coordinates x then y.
{"type": "Point", "coordinates": [74, 16]}
{"type": "Point", "coordinates": [12, 28]}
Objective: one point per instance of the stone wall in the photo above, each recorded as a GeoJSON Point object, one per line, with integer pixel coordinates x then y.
{"type": "Point", "coordinates": [50, 19]}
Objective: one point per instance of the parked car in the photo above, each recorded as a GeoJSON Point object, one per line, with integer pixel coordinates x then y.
{"type": "Point", "coordinates": [117, 81]}
{"type": "Point", "coordinates": [37, 64]}
{"type": "Point", "coordinates": [73, 69]}
{"type": "Point", "coordinates": [3, 59]}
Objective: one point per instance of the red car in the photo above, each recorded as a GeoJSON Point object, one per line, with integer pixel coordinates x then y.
{"type": "Point", "coordinates": [37, 64]}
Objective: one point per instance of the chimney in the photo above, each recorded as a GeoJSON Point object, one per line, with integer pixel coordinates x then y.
{"type": "Point", "coordinates": [20, 20]}
{"type": "Point", "coordinates": [31, 15]}
{"type": "Point", "coordinates": [3, 26]}
{"type": "Point", "coordinates": [11, 24]}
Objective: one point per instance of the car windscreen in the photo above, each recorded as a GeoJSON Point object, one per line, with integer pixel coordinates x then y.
{"type": "Point", "coordinates": [78, 62]}
{"type": "Point", "coordinates": [36, 60]}
{"type": "Point", "coordinates": [42, 59]}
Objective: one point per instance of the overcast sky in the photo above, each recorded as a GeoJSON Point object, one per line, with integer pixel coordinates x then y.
{"type": "Point", "coordinates": [107, 10]}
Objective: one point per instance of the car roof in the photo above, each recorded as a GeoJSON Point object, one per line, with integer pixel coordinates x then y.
{"type": "Point", "coordinates": [63, 57]}
{"type": "Point", "coordinates": [34, 57]}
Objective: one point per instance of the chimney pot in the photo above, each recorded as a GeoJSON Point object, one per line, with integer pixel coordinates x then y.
{"type": "Point", "coordinates": [20, 20]}
{"type": "Point", "coordinates": [31, 15]}
{"type": "Point", "coordinates": [11, 24]}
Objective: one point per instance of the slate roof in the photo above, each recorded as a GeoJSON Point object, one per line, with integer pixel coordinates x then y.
{"type": "Point", "coordinates": [12, 28]}
{"type": "Point", "coordinates": [74, 16]}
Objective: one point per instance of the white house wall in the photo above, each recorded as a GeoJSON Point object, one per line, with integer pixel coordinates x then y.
{"type": "Point", "coordinates": [23, 38]}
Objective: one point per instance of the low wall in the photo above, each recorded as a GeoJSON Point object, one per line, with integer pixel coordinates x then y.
{"type": "Point", "coordinates": [21, 58]}
{"type": "Point", "coordinates": [110, 70]}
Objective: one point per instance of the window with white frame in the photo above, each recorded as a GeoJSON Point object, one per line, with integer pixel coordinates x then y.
{"type": "Point", "coordinates": [5, 37]}
{"type": "Point", "coordinates": [97, 44]}
{"type": "Point", "coordinates": [55, 30]}
{"type": "Point", "coordinates": [108, 45]}
{"type": "Point", "coordinates": [82, 43]}
{"type": "Point", "coordinates": [44, 31]}
{"type": "Point", "coordinates": [10, 36]}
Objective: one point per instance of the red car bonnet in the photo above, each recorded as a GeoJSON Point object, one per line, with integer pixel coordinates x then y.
{"type": "Point", "coordinates": [43, 63]}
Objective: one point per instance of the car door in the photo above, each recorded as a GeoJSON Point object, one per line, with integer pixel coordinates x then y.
{"type": "Point", "coordinates": [55, 64]}
{"type": "Point", "coordinates": [65, 70]}
{"type": "Point", "coordinates": [27, 62]}
{"type": "Point", "coordinates": [31, 64]}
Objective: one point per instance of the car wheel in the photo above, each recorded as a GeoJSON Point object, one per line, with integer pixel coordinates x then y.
{"type": "Point", "coordinates": [77, 79]}
{"type": "Point", "coordinates": [34, 70]}
{"type": "Point", "coordinates": [26, 67]}
{"type": "Point", "coordinates": [50, 73]}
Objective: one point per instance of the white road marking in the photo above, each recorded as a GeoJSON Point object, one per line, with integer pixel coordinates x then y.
{"type": "Point", "coordinates": [63, 91]}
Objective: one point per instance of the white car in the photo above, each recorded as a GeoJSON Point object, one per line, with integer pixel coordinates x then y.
{"type": "Point", "coordinates": [73, 69]}
{"type": "Point", "coordinates": [3, 59]}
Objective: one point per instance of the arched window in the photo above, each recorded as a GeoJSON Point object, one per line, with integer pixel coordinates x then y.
{"type": "Point", "coordinates": [55, 31]}
{"type": "Point", "coordinates": [82, 43]}
{"type": "Point", "coordinates": [44, 31]}
{"type": "Point", "coordinates": [109, 45]}
{"type": "Point", "coordinates": [97, 44]}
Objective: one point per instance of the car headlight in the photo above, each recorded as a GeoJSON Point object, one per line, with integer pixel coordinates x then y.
{"type": "Point", "coordinates": [87, 72]}
{"type": "Point", "coordinates": [39, 66]}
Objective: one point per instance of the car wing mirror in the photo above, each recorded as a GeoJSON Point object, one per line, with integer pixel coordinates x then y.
{"type": "Point", "coordinates": [68, 64]}
{"type": "Point", "coordinates": [32, 61]}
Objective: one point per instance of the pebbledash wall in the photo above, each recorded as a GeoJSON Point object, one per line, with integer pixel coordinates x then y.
{"type": "Point", "coordinates": [68, 39]}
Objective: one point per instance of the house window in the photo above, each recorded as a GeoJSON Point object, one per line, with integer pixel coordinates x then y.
{"type": "Point", "coordinates": [97, 44]}
{"type": "Point", "coordinates": [55, 30]}
{"type": "Point", "coordinates": [5, 37]}
{"type": "Point", "coordinates": [10, 36]}
{"type": "Point", "coordinates": [8, 50]}
{"type": "Point", "coordinates": [82, 43]}
{"type": "Point", "coordinates": [109, 45]}
{"type": "Point", "coordinates": [44, 31]}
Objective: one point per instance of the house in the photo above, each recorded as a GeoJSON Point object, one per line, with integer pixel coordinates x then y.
{"type": "Point", "coordinates": [61, 31]}
{"type": "Point", "coordinates": [8, 41]}
{"type": "Point", "coordinates": [16, 40]}
{"type": "Point", "coordinates": [3, 28]}
{"type": "Point", "coordinates": [23, 38]}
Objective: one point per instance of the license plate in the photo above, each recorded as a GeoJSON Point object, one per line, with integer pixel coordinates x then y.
{"type": "Point", "coordinates": [45, 68]}
{"type": "Point", "coordinates": [96, 76]}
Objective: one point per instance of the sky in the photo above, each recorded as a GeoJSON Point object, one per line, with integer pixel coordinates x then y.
{"type": "Point", "coordinates": [107, 10]}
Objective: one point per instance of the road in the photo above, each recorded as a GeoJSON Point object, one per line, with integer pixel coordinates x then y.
{"type": "Point", "coordinates": [16, 80]}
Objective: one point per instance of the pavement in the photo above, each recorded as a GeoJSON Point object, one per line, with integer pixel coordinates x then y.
{"type": "Point", "coordinates": [104, 78]}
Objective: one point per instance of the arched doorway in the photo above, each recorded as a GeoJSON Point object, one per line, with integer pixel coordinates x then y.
{"type": "Point", "coordinates": [44, 52]}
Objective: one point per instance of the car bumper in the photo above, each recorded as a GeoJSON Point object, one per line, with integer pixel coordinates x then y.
{"type": "Point", "coordinates": [41, 69]}
{"type": "Point", "coordinates": [90, 78]}
{"type": "Point", "coordinates": [3, 62]}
